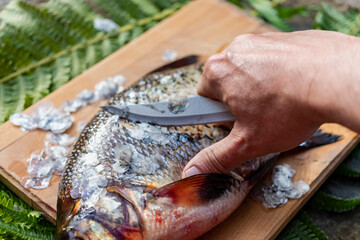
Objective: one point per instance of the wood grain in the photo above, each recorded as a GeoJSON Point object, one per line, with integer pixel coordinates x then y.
{"type": "Point", "coordinates": [202, 27]}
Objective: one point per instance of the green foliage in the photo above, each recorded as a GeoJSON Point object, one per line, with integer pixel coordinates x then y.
{"type": "Point", "coordinates": [270, 11]}
{"type": "Point", "coordinates": [19, 221]}
{"type": "Point", "coordinates": [351, 166]}
{"type": "Point", "coordinates": [266, 10]}
{"type": "Point", "coordinates": [287, 12]}
{"type": "Point", "coordinates": [342, 191]}
{"type": "Point", "coordinates": [42, 48]}
{"type": "Point", "coordinates": [328, 18]}
{"type": "Point", "coordinates": [302, 228]}
{"type": "Point", "coordinates": [328, 202]}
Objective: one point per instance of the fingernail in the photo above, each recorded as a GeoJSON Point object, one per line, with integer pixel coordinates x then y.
{"type": "Point", "coordinates": [192, 171]}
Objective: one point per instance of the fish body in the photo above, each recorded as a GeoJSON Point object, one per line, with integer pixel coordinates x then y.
{"type": "Point", "coordinates": [123, 179]}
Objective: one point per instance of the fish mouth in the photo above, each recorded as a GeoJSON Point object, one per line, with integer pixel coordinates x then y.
{"type": "Point", "coordinates": [116, 221]}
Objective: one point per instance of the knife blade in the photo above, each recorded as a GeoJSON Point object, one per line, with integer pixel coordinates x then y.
{"type": "Point", "coordinates": [188, 111]}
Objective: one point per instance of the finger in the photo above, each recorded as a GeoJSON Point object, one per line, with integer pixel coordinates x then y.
{"type": "Point", "coordinates": [220, 157]}
{"type": "Point", "coordinates": [208, 86]}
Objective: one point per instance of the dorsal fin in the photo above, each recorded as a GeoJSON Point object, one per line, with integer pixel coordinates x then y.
{"type": "Point", "coordinates": [182, 62]}
{"type": "Point", "coordinates": [197, 189]}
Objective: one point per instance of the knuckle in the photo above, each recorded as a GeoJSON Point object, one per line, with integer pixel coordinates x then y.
{"type": "Point", "coordinates": [214, 162]}
{"type": "Point", "coordinates": [212, 64]}
{"type": "Point", "coordinates": [242, 144]}
{"type": "Point", "coordinates": [246, 37]}
{"type": "Point", "coordinates": [211, 70]}
{"type": "Point", "coordinates": [248, 41]}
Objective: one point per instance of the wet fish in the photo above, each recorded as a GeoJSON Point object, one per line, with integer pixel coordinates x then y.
{"type": "Point", "coordinates": [123, 179]}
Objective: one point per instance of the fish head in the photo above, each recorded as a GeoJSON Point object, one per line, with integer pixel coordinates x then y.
{"type": "Point", "coordinates": [111, 217]}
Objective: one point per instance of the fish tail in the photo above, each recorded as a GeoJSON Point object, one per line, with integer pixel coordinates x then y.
{"type": "Point", "coordinates": [320, 138]}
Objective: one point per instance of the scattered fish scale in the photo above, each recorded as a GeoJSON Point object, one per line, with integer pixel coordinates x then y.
{"type": "Point", "coordinates": [52, 159]}
{"type": "Point", "coordinates": [282, 188]}
{"type": "Point", "coordinates": [169, 55]}
{"type": "Point", "coordinates": [46, 117]}
{"type": "Point", "coordinates": [106, 25]}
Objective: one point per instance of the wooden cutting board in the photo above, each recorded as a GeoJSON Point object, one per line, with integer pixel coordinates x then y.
{"type": "Point", "coordinates": [201, 27]}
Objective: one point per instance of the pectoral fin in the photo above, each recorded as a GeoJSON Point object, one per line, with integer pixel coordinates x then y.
{"type": "Point", "coordinates": [197, 189]}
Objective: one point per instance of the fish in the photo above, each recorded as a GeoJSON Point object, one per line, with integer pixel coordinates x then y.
{"type": "Point", "coordinates": [122, 179]}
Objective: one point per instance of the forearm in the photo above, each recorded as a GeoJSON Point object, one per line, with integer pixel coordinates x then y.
{"type": "Point", "coordinates": [333, 91]}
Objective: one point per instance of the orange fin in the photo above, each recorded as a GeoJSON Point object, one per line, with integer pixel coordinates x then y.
{"type": "Point", "coordinates": [197, 189]}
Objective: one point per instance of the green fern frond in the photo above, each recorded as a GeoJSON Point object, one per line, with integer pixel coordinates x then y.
{"type": "Point", "coordinates": [61, 73]}
{"type": "Point", "coordinates": [114, 10]}
{"type": "Point", "coordinates": [15, 95]}
{"type": "Point", "coordinates": [22, 41]}
{"type": "Point", "coordinates": [74, 20]}
{"type": "Point", "coordinates": [17, 231]}
{"type": "Point", "coordinates": [147, 7]}
{"type": "Point", "coordinates": [302, 228]}
{"type": "Point", "coordinates": [79, 7]}
{"type": "Point", "coordinates": [27, 85]}
{"type": "Point", "coordinates": [162, 4]}
{"type": "Point", "coordinates": [19, 221]}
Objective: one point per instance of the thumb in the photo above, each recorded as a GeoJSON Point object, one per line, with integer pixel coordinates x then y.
{"type": "Point", "coordinates": [221, 157]}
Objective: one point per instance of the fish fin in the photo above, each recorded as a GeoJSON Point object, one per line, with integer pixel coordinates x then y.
{"type": "Point", "coordinates": [182, 62]}
{"type": "Point", "coordinates": [320, 138]}
{"type": "Point", "coordinates": [197, 189]}
{"type": "Point", "coordinates": [67, 209]}
{"type": "Point", "coordinates": [262, 171]}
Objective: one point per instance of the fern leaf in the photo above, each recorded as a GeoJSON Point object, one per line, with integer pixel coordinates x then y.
{"type": "Point", "coordinates": [328, 202]}
{"type": "Point", "coordinates": [22, 87]}
{"type": "Point", "coordinates": [77, 63]}
{"type": "Point", "coordinates": [147, 7]}
{"type": "Point", "coordinates": [161, 4]}
{"type": "Point", "coordinates": [351, 166]}
{"type": "Point", "coordinates": [266, 11]}
{"type": "Point", "coordinates": [16, 231]}
{"type": "Point", "coordinates": [61, 72]}
{"type": "Point", "coordinates": [74, 20]}
{"type": "Point", "coordinates": [328, 18]}
{"type": "Point", "coordinates": [113, 9]}
{"type": "Point", "coordinates": [40, 23]}
{"type": "Point", "coordinates": [19, 221]}
{"type": "Point", "coordinates": [92, 56]}
{"type": "Point", "coordinates": [302, 228]}
{"type": "Point", "coordinates": [338, 194]}
{"type": "Point", "coordinates": [16, 93]}
{"type": "Point", "coordinates": [80, 7]}
{"type": "Point", "coordinates": [23, 42]}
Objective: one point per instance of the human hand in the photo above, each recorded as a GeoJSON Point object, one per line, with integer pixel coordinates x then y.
{"type": "Point", "coordinates": [279, 88]}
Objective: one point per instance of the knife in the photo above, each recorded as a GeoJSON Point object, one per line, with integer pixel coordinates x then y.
{"type": "Point", "coordinates": [188, 111]}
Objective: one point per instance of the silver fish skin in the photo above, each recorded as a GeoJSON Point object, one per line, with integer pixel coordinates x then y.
{"type": "Point", "coordinates": [123, 179]}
